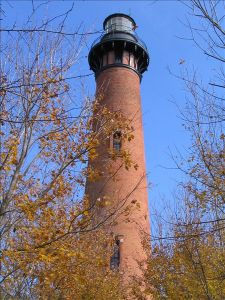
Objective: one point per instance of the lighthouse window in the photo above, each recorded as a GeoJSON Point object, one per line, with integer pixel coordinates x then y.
{"type": "Point", "coordinates": [117, 141]}
{"type": "Point", "coordinates": [118, 59]}
{"type": "Point", "coordinates": [115, 258]}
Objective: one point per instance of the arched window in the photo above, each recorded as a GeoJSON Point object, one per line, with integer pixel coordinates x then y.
{"type": "Point", "coordinates": [117, 141]}
{"type": "Point", "coordinates": [115, 258]}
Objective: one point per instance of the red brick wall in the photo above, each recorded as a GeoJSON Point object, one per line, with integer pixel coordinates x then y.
{"type": "Point", "coordinates": [120, 88]}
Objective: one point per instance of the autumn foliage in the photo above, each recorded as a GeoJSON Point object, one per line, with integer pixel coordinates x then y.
{"type": "Point", "coordinates": [188, 253]}
{"type": "Point", "coordinates": [50, 246]}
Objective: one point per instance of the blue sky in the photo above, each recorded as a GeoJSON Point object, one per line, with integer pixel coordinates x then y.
{"type": "Point", "coordinates": [159, 25]}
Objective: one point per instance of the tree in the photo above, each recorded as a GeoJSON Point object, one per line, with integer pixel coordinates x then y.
{"type": "Point", "coordinates": [188, 261]}
{"type": "Point", "coordinates": [51, 245]}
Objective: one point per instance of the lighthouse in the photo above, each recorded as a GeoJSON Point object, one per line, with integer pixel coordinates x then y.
{"type": "Point", "coordinates": [119, 58]}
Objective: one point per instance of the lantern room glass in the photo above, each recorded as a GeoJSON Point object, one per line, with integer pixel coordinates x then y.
{"type": "Point", "coordinates": [119, 24]}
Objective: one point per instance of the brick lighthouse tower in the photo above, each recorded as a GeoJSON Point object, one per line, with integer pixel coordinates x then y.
{"type": "Point", "coordinates": [118, 59]}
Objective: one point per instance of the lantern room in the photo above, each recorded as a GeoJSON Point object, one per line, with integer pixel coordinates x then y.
{"type": "Point", "coordinates": [119, 46]}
